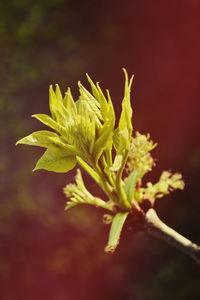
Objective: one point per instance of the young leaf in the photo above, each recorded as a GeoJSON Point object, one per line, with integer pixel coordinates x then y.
{"type": "Point", "coordinates": [52, 102]}
{"type": "Point", "coordinates": [48, 121]}
{"type": "Point", "coordinates": [120, 141]}
{"type": "Point", "coordinates": [89, 170]}
{"type": "Point", "coordinates": [103, 140]}
{"type": "Point", "coordinates": [59, 94]}
{"type": "Point", "coordinates": [69, 103]}
{"type": "Point", "coordinates": [109, 144]}
{"type": "Point", "coordinates": [117, 163]}
{"type": "Point", "coordinates": [92, 103]}
{"type": "Point", "coordinates": [103, 103]}
{"type": "Point", "coordinates": [87, 96]}
{"type": "Point", "coordinates": [56, 105]}
{"type": "Point", "coordinates": [39, 138]}
{"type": "Point", "coordinates": [91, 135]}
{"type": "Point", "coordinates": [115, 231]}
{"type": "Point", "coordinates": [125, 121]}
{"type": "Point", "coordinates": [105, 136]}
{"type": "Point", "coordinates": [130, 184]}
{"type": "Point", "coordinates": [93, 87]}
{"type": "Point", "coordinates": [57, 160]}
{"type": "Point", "coordinates": [111, 111]}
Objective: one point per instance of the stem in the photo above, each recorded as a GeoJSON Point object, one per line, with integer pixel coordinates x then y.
{"type": "Point", "coordinates": [105, 165]}
{"type": "Point", "coordinates": [105, 185]}
{"type": "Point", "coordinates": [89, 170]}
{"type": "Point", "coordinates": [103, 204]}
{"type": "Point", "coordinates": [109, 156]}
{"type": "Point", "coordinates": [155, 227]}
{"type": "Point", "coordinates": [122, 195]}
{"type": "Point", "coordinates": [98, 175]}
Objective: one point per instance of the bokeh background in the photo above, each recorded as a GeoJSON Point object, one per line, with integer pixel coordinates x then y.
{"type": "Point", "coordinates": [46, 253]}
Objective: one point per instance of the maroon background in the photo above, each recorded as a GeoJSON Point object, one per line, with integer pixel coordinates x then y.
{"type": "Point", "coordinates": [44, 252]}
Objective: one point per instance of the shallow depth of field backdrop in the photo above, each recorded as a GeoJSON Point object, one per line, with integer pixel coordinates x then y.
{"type": "Point", "coordinates": [46, 253]}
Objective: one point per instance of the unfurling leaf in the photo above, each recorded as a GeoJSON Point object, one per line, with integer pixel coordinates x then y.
{"type": "Point", "coordinates": [92, 103]}
{"type": "Point", "coordinates": [115, 231]}
{"type": "Point", "coordinates": [54, 104]}
{"type": "Point", "coordinates": [48, 121]}
{"type": "Point", "coordinates": [120, 140]}
{"type": "Point", "coordinates": [125, 122]}
{"type": "Point", "coordinates": [120, 143]}
{"type": "Point", "coordinates": [103, 140]}
{"type": "Point", "coordinates": [69, 104]}
{"type": "Point", "coordinates": [104, 106]}
{"type": "Point", "coordinates": [93, 87]}
{"type": "Point", "coordinates": [117, 163]}
{"type": "Point", "coordinates": [130, 185]}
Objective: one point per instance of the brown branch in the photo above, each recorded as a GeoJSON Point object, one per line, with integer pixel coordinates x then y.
{"type": "Point", "coordinates": [155, 227]}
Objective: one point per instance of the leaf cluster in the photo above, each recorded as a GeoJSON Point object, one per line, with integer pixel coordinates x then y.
{"type": "Point", "coordinates": [85, 132]}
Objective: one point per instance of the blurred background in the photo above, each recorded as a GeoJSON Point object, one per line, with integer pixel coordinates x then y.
{"type": "Point", "coordinates": [46, 253]}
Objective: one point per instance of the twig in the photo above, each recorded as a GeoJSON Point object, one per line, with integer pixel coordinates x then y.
{"type": "Point", "coordinates": [155, 227]}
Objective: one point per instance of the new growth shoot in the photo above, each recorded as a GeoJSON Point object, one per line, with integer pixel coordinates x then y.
{"type": "Point", "coordinates": [85, 132]}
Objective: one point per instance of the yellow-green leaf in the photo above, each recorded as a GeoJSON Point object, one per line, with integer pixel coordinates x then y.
{"type": "Point", "coordinates": [125, 121]}
{"type": "Point", "coordinates": [93, 87]}
{"type": "Point", "coordinates": [58, 94]}
{"type": "Point", "coordinates": [57, 160]}
{"type": "Point", "coordinates": [117, 163]}
{"type": "Point", "coordinates": [87, 96]}
{"type": "Point", "coordinates": [59, 141]}
{"type": "Point", "coordinates": [48, 121]}
{"type": "Point", "coordinates": [120, 141]}
{"type": "Point", "coordinates": [111, 111]}
{"type": "Point", "coordinates": [115, 231]}
{"type": "Point", "coordinates": [92, 103]}
{"type": "Point", "coordinates": [103, 103]}
{"type": "Point", "coordinates": [55, 101]}
{"type": "Point", "coordinates": [103, 140]}
{"type": "Point", "coordinates": [130, 184]}
{"type": "Point", "coordinates": [69, 104]}
{"type": "Point", "coordinates": [38, 138]}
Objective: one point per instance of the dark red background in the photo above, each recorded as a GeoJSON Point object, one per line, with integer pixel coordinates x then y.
{"type": "Point", "coordinates": [44, 252]}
